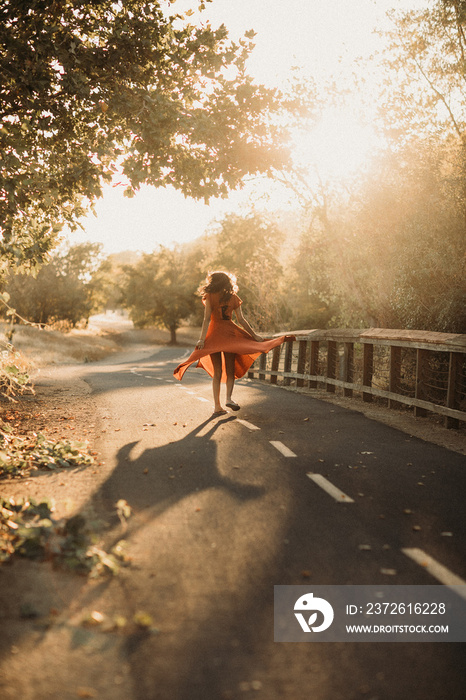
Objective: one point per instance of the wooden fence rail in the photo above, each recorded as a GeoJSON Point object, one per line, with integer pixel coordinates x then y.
{"type": "Point", "coordinates": [421, 369]}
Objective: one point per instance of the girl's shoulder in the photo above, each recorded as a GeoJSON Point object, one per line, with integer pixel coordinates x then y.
{"type": "Point", "coordinates": [211, 297]}
{"type": "Point", "coordinates": [235, 301]}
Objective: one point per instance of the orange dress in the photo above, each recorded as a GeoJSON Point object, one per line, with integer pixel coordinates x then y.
{"type": "Point", "coordinates": [224, 335]}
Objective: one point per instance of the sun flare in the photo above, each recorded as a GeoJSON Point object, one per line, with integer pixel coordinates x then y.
{"type": "Point", "coordinates": [337, 147]}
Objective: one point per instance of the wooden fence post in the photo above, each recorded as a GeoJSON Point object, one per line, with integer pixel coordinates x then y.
{"type": "Point", "coordinates": [367, 369]}
{"type": "Point", "coordinates": [275, 363]}
{"type": "Point", "coordinates": [288, 360]}
{"type": "Point", "coordinates": [420, 389]}
{"type": "Point", "coordinates": [331, 364]}
{"type": "Point", "coordinates": [453, 375]}
{"type": "Point", "coordinates": [348, 364]}
{"type": "Point", "coordinates": [262, 365]}
{"type": "Point", "coordinates": [314, 363]}
{"type": "Point", "coordinates": [395, 374]}
{"type": "Point", "coordinates": [301, 368]}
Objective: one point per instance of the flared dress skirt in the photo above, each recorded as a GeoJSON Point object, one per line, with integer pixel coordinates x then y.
{"type": "Point", "coordinates": [227, 336]}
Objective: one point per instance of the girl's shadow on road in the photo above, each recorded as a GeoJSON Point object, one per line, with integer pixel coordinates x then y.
{"type": "Point", "coordinates": [162, 476]}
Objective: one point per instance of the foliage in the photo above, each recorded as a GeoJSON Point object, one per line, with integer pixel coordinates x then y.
{"type": "Point", "coordinates": [28, 529]}
{"type": "Point", "coordinates": [388, 249]}
{"type": "Point", "coordinates": [425, 86]}
{"type": "Point", "coordinates": [113, 277]}
{"type": "Point", "coordinates": [89, 89]}
{"type": "Point", "coordinates": [19, 454]}
{"type": "Point", "coordinates": [391, 256]}
{"type": "Point", "coordinates": [307, 284]}
{"type": "Point", "coordinates": [14, 377]}
{"type": "Point", "coordinates": [249, 246]}
{"type": "Point", "coordinates": [434, 297]}
{"type": "Point", "coordinates": [70, 287]}
{"type": "Point", "coordinates": [160, 289]}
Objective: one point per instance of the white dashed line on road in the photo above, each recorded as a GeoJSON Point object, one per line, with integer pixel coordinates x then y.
{"type": "Point", "coordinates": [437, 570]}
{"type": "Point", "coordinates": [200, 398]}
{"type": "Point", "coordinates": [327, 486]}
{"type": "Point", "coordinates": [286, 452]}
{"type": "Point", "coordinates": [246, 424]}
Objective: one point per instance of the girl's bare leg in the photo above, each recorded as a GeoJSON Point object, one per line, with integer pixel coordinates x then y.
{"type": "Point", "coordinates": [217, 363]}
{"type": "Point", "coordinates": [230, 368]}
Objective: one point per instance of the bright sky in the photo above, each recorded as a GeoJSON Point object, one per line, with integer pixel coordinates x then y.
{"type": "Point", "coordinates": [321, 38]}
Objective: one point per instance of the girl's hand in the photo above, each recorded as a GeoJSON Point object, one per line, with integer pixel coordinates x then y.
{"type": "Point", "coordinates": [199, 344]}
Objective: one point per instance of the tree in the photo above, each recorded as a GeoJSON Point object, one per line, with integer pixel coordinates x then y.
{"type": "Point", "coordinates": [68, 288]}
{"type": "Point", "coordinates": [249, 246]}
{"type": "Point", "coordinates": [114, 276]}
{"type": "Point", "coordinates": [425, 57]}
{"type": "Point", "coordinates": [160, 290]}
{"type": "Point", "coordinates": [95, 87]}
{"type": "Point", "coordinates": [308, 280]}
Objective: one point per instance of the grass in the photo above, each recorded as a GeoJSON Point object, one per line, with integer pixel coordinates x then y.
{"type": "Point", "coordinates": [43, 347]}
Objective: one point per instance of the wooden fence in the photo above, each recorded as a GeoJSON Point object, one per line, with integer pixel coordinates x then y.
{"type": "Point", "coordinates": [417, 368]}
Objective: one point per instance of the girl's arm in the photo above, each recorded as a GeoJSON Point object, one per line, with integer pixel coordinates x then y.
{"type": "Point", "coordinates": [242, 321]}
{"type": "Point", "coordinates": [205, 324]}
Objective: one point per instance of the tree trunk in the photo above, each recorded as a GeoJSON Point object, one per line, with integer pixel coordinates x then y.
{"type": "Point", "coordinates": [173, 335]}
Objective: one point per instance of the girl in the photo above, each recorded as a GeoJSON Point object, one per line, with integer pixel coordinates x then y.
{"type": "Point", "coordinates": [225, 350]}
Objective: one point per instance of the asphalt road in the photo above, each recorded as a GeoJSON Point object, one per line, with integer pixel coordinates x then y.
{"type": "Point", "coordinates": [224, 508]}
{"type": "Point", "coordinates": [222, 513]}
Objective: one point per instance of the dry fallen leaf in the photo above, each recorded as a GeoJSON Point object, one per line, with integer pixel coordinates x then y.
{"type": "Point", "coordinates": [93, 619]}
{"type": "Point", "coordinates": [143, 620]}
